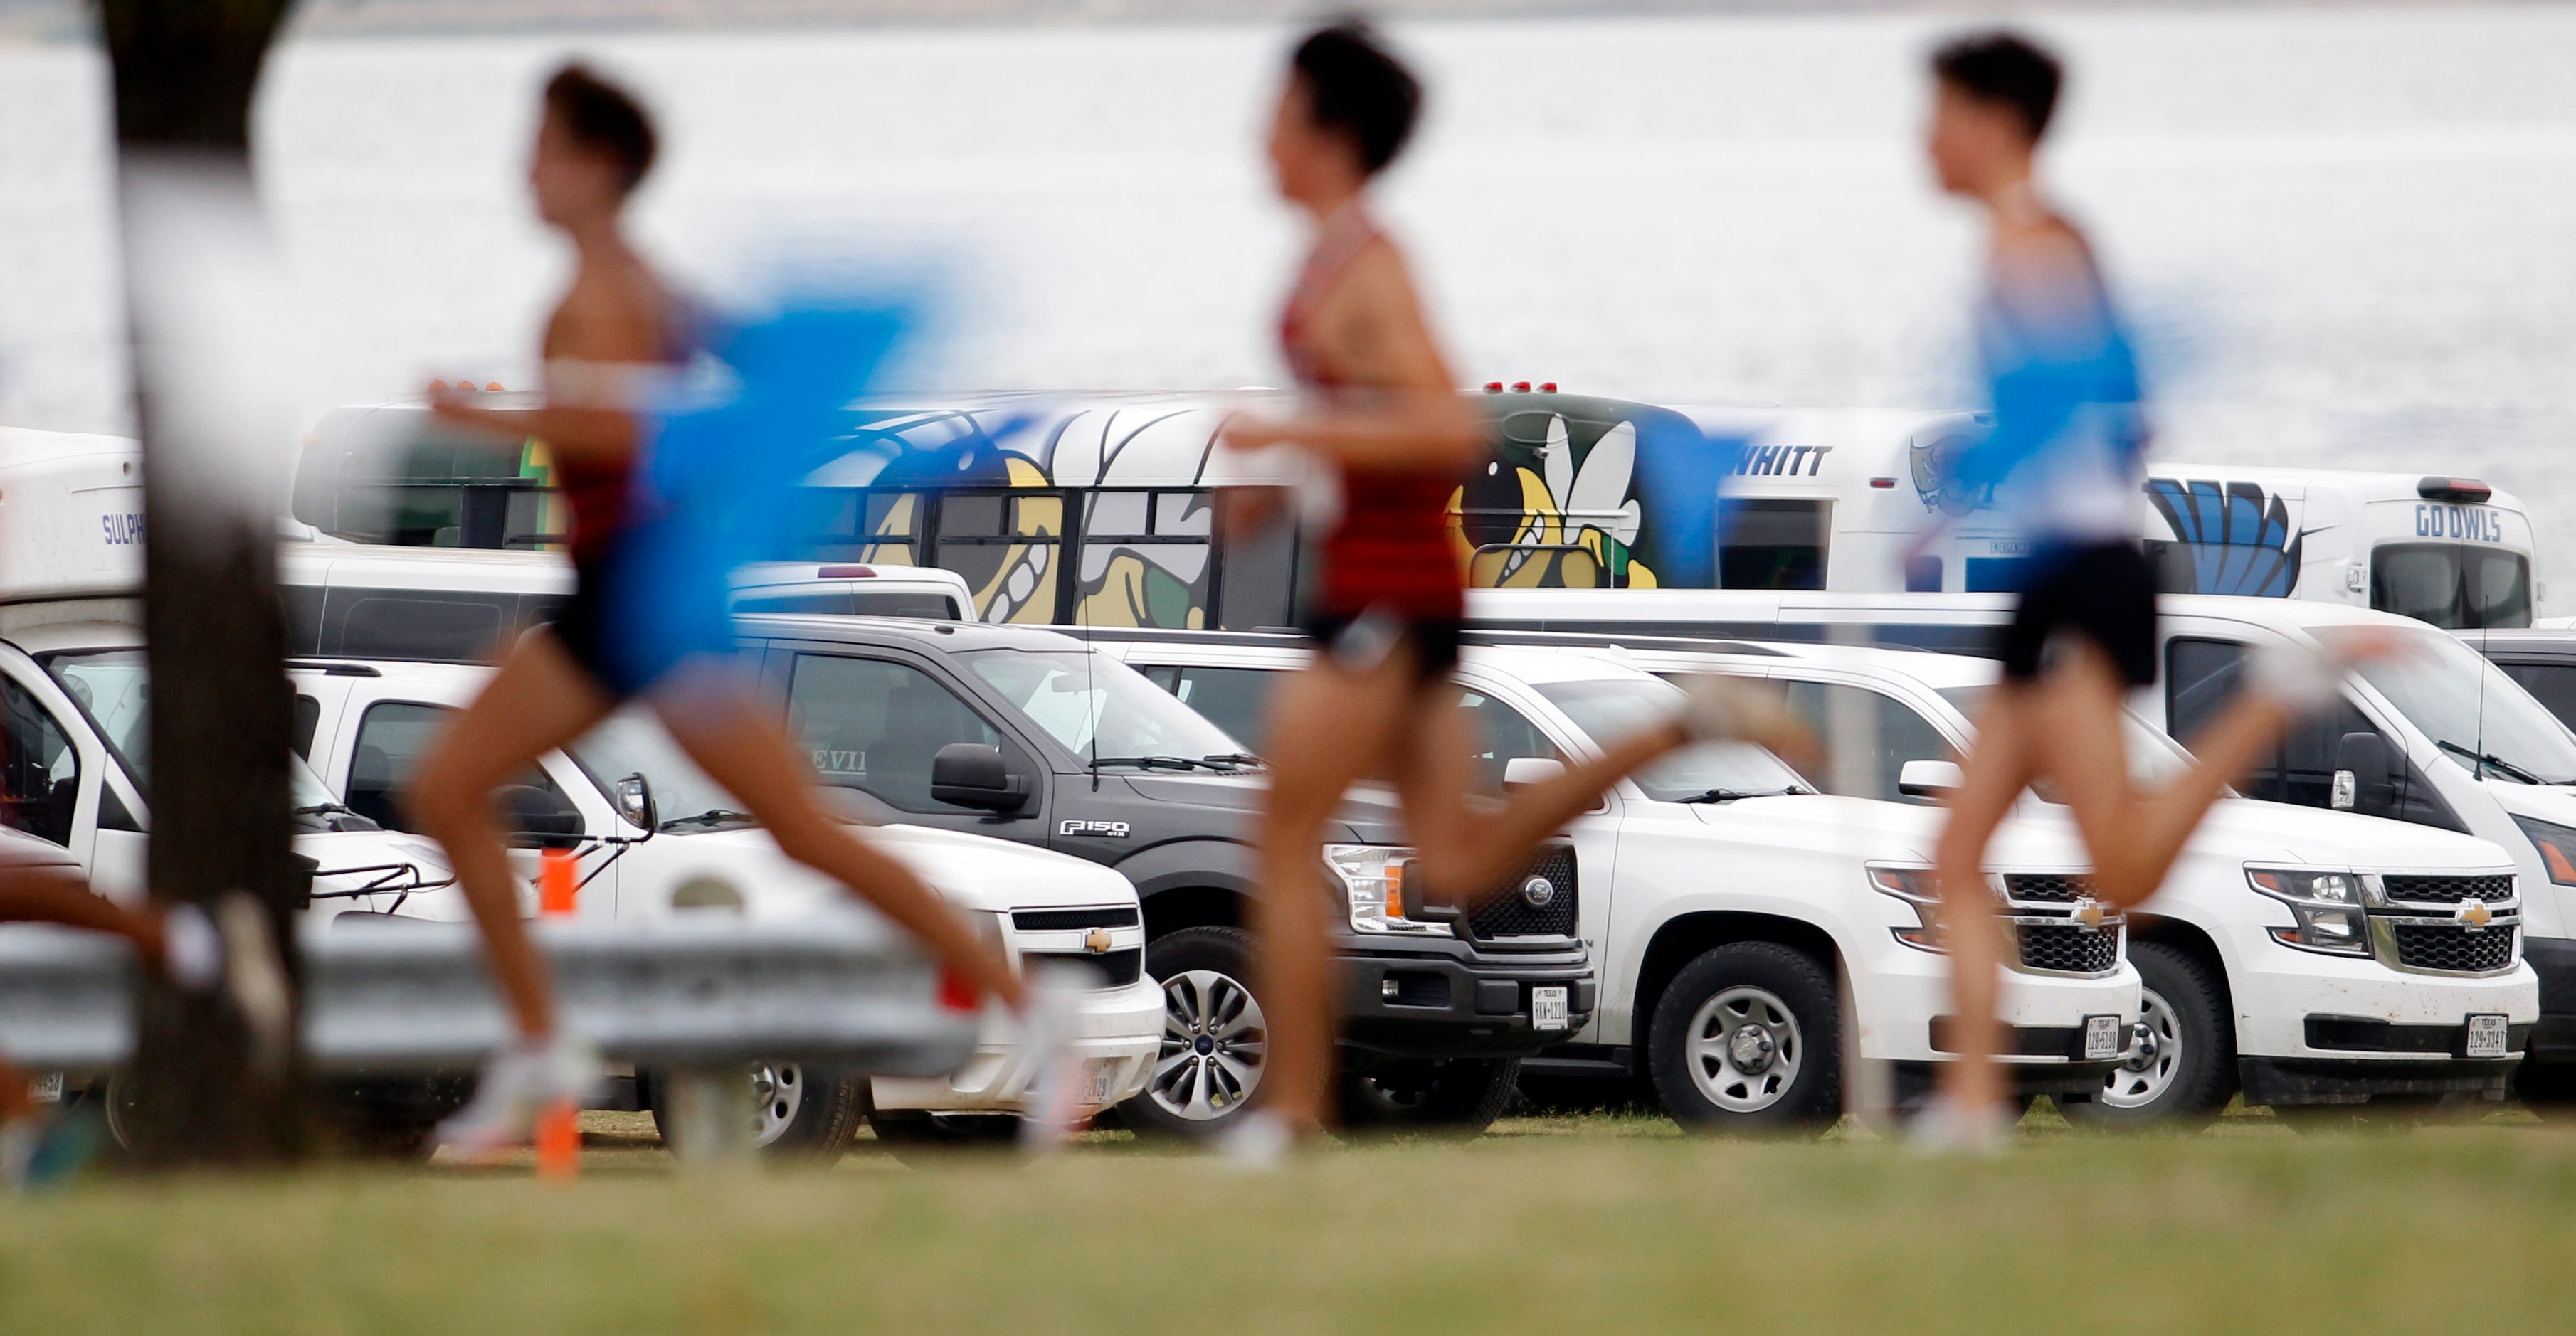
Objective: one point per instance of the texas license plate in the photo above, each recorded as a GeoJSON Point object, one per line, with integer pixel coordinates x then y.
{"type": "Point", "coordinates": [2486, 1036]}
{"type": "Point", "coordinates": [2102, 1037]}
{"type": "Point", "coordinates": [46, 1089]}
{"type": "Point", "coordinates": [1547, 1008]}
{"type": "Point", "coordinates": [1099, 1078]}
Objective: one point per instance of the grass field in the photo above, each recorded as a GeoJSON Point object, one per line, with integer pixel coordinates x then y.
{"type": "Point", "coordinates": [1602, 1223]}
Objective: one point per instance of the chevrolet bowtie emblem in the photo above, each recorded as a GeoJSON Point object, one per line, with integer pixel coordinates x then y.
{"type": "Point", "coordinates": [2476, 914]}
{"type": "Point", "coordinates": [2089, 913]}
{"type": "Point", "coordinates": [1097, 941]}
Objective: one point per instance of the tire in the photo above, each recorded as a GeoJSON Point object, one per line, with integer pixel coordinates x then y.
{"type": "Point", "coordinates": [1458, 1096]}
{"type": "Point", "coordinates": [1747, 1038]}
{"type": "Point", "coordinates": [2182, 1069]}
{"type": "Point", "coordinates": [2547, 1089]}
{"type": "Point", "coordinates": [1215, 1043]}
{"type": "Point", "coordinates": [806, 1115]}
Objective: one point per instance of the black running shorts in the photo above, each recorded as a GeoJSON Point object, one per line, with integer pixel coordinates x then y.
{"type": "Point", "coordinates": [2105, 592]}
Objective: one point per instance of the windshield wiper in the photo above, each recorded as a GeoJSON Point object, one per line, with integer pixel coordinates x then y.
{"type": "Point", "coordinates": [713, 816]}
{"type": "Point", "coordinates": [1151, 762]}
{"type": "Point", "coordinates": [2489, 759]}
{"type": "Point", "coordinates": [1235, 760]}
{"type": "Point", "coordinates": [1730, 795]}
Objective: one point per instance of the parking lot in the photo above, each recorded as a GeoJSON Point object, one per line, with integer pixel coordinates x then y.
{"type": "Point", "coordinates": [1592, 1223]}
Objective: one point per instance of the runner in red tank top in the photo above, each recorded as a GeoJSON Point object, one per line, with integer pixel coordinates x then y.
{"type": "Point", "coordinates": [1383, 416]}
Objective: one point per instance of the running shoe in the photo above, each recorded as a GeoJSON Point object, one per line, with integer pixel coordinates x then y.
{"type": "Point", "coordinates": [41, 1151]}
{"type": "Point", "coordinates": [1056, 1097]}
{"type": "Point", "coordinates": [1718, 708]}
{"type": "Point", "coordinates": [520, 1083]}
{"type": "Point", "coordinates": [1256, 1142]}
{"type": "Point", "coordinates": [1949, 1128]}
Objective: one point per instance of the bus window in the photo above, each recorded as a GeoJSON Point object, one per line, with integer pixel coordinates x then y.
{"type": "Point", "coordinates": [1146, 559]}
{"type": "Point", "coordinates": [1771, 544]}
{"type": "Point", "coordinates": [2451, 585]}
{"type": "Point", "coordinates": [1009, 545]}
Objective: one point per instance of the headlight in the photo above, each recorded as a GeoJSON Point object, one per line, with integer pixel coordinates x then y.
{"type": "Point", "coordinates": [1372, 875]}
{"type": "Point", "coordinates": [1919, 890]}
{"type": "Point", "coordinates": [2326, 905]}
{"type": "Point", "coordinates": [2557, 846]}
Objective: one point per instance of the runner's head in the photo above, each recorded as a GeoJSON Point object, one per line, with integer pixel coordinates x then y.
{"type": "Point", "coordinates": [593, 148]}
{"type": "Point", "coordinates": [1346, 112]}
{"type": "Point", "coordinates": [1994, 95]}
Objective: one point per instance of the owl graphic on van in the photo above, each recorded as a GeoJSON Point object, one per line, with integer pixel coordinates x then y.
{"type": "Point", "coordinates": [1935, 466]}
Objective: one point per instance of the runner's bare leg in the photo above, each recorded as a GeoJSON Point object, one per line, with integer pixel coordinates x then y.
{"type": "Point", "coordinates": [1998, 768]}
{"type": "Point", "coordinates": [540, 700]}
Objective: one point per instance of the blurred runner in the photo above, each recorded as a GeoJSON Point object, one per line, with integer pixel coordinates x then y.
{"type": "Point", "coordinates": [180, 944]}
{"type": "Point", "coordinates": [2065, 462]}
{"type": "Point", "coordinates": [616, 339]}
{"type": "Point", "coordinates": [1383, 427]}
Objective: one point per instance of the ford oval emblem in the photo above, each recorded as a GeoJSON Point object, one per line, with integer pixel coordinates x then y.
{"type": "Point", "coordinates": [1538, 892]}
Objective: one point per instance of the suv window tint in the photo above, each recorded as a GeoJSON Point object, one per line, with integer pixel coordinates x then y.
{"type": "Point", "coordinates": [1499, 735]}
{"type": "Point", "coordinates": [39, 772]}
{"type": "Point", "coordinates": [415, 624]}
{"type": "Point", "coordinates": [1895, 735]}
{"type": "Point", "coordinates": [2202, 678]}
{"type": "Point", "coordinates": [2552, 684]}
{"type": "Point", "coordinates": [393, 738]}
{"type": "Point", "coordinates": [873, 725]}
{"type": "Point", "coordinates": [308, 716]}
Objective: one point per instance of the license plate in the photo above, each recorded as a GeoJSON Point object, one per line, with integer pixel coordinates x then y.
{"type": "Point", "coordinates": [1097, 1082]}
{"type": "Point", "coordinates": [1547, 1008]}
{"type": "Point", "coordinates": [2102, 1037]}
{"type": "Point", "coordinates": [2486, 1036]}
{"type": "Point", "coordinates": [46, 1089]}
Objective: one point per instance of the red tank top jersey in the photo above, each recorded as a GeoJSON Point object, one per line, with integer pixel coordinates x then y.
{"type": "Point", "coordinates": [1389, 549]}
{"type": "Point", "coordinates": [601, 494]}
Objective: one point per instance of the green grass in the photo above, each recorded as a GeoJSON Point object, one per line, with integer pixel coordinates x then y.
{"type": "Point", "coordinates": [1599, 1224]}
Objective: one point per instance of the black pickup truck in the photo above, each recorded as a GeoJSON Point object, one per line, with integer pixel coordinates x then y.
{"type": "Point", "coordinates": [1030, 735]}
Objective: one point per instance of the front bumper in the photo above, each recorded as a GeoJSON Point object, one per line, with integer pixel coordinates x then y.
{"type": "Point", "coordinates": [1903, 996]}
{"type": "Point", "coordinates": [1117, 1037]}
{"type": "Point", "coordinates": [2344, 1026]}
{"type": "Point", "coordinates": [1441, 997]}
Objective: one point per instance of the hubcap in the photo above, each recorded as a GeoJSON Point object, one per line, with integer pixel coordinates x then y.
{"type": "Point", "coordinates": [1744, 1048]}
{"type": "Point", "coordinates": [777, 1092]}
{"type": "Point", "coordinates": [1214, 1045]}
{"type": "Point", "coordinates": [2147, 1070]}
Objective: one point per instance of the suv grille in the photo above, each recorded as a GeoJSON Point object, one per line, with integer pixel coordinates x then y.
{"type": "Point", "coordinates": [1116, 969]}
{"type": "Point", "coordinates": [2452, 950]}
{"type": "Point", "coordinates": [2045, 888]}
{"type": "Point", "coordinates": [2448, 890]}
{"type": "Point", "coordinates": [1510, 913]}
{"type": "Point", "coordinates": [1060, 920]}
{"type": "Point", "coordinates": [2071, 949]}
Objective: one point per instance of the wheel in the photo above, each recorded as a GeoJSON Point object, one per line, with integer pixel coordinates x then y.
{"type": "Point", "coordinates": [802, 1114]}
{"type": "Point", "coordinates": [2181, 1063]}
{"type": "Point", "coordinates": [2546, 1088]}
{"type": "Point", "coordinates": [1458, 1096]}
{"type": "Point", "coordinates": [1745, 1039]}
{"type": "Point", "coordinates": [1215, 1042]}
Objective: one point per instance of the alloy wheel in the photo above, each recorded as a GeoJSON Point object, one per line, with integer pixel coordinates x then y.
{"type": "Point", "coordinates": [1214, 1046]}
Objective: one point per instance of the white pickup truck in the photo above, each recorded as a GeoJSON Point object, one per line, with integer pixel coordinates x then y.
{"type": "Point", "coordinates": [1729, 904]}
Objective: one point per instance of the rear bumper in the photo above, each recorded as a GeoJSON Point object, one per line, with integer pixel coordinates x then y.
{"type": "Point", "coordinates": [1445, 998]}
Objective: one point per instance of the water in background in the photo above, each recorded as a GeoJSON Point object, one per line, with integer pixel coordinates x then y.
{"type": "Point", "coordinates": [2345, 233]}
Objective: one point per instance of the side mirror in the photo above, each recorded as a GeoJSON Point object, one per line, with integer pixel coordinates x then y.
{"type": "Point", "coordinates": [1521, 770]}
{"type": "Point", "coordinates": [2365, 777]}
{"type": "Point", "coordinates": [541, 817]}
{"type": "Point", "coordinates": [966, 774]}
{"type": "Point", "coordinates": [635, 803]}
{"type": "Point", "coordinates": [1927, 779]}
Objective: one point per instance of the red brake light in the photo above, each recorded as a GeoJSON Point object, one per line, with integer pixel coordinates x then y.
{"type": "Point", "coordinates": [2469, 490]}
{"type": "Point", "coordinates": [844, 572]}
{"type": "Point", "coordinates": [1882, 482]}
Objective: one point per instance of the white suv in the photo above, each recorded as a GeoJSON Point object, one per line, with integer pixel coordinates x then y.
{"type": "Point", "coordinates": [1728, 904]}
{"type": "Point", "coordinates": [653, 836]}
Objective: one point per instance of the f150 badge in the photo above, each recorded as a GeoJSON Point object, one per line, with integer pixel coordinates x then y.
{"type": "Point", "coordinates": [1106, 830]}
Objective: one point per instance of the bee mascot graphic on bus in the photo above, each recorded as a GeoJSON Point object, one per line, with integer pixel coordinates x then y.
{"type": "Point", "coordinates": [1559, 506]}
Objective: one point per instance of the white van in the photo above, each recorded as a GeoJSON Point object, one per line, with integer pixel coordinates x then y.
{"type": "Point", "coordinates": [1738, 900]}
{"type": "Point", "coordinates": [2229, 1005]}
{"type": "Point", "coordinates": [2444, 740]}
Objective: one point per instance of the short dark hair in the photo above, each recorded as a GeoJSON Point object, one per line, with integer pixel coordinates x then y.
{"type": "Point", "coordinates": [1355, 86]}
{"type": "Point", "coordinates": [603, 118]}
{"type": "Point", "coordinates": [2007, 68]}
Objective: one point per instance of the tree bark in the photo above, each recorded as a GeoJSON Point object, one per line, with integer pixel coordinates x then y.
{"type": "Point", "coordinates": [197, 267]}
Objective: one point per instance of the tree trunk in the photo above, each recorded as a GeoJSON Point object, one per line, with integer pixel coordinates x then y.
{"type": "Point", "coordinates": [199, 280]}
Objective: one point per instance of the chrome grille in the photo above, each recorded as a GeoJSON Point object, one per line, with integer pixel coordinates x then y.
{"type": "Point", "coordinates": [2047, 888]}
{"type": "Point", "coordinates": [1510, 914]}
{"type": "Point", "coordinates": [2449, 949]}
{"type": "Point", "coordinates": [2070, 949]}
{"type": "Point", "coordinates": [2448, 890]}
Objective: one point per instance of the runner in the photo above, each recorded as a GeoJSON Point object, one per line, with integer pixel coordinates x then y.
{"type": "Point", "coordinates": [180, 944]}
{"type": "Point", "coordinates": [615, 336]}
{"type": "Point", "coordinates": [1383, 420]}
{"type": "Point", "coordinates": [2065, 460]}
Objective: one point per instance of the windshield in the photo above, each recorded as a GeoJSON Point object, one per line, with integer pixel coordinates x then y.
{"type": "Point", "coordinates": [2479, 717]}
{"type": "Point", "coordinates": [1608, 709]}
{"type": "Point", "coordinates": [114, 688]}
{"type": "Point", "coordinates": [631, 742]}
{"type": "Point", "coordinates": [1102, 710]}
{"type": "Point", "coordinates": [2154, 759]}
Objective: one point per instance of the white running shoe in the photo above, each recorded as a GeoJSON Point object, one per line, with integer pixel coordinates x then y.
{"type": "Point", "coordinates": [1057, 1099]}
{"type": "Point", "coordinates": [1258, 1142]}
{"type": "Point", "coordinates": [519, 1083]}
{"type": "Point", "coordinates": [2301, 679]}
{"type": "Point", "coordinates": [1949, 1128]}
